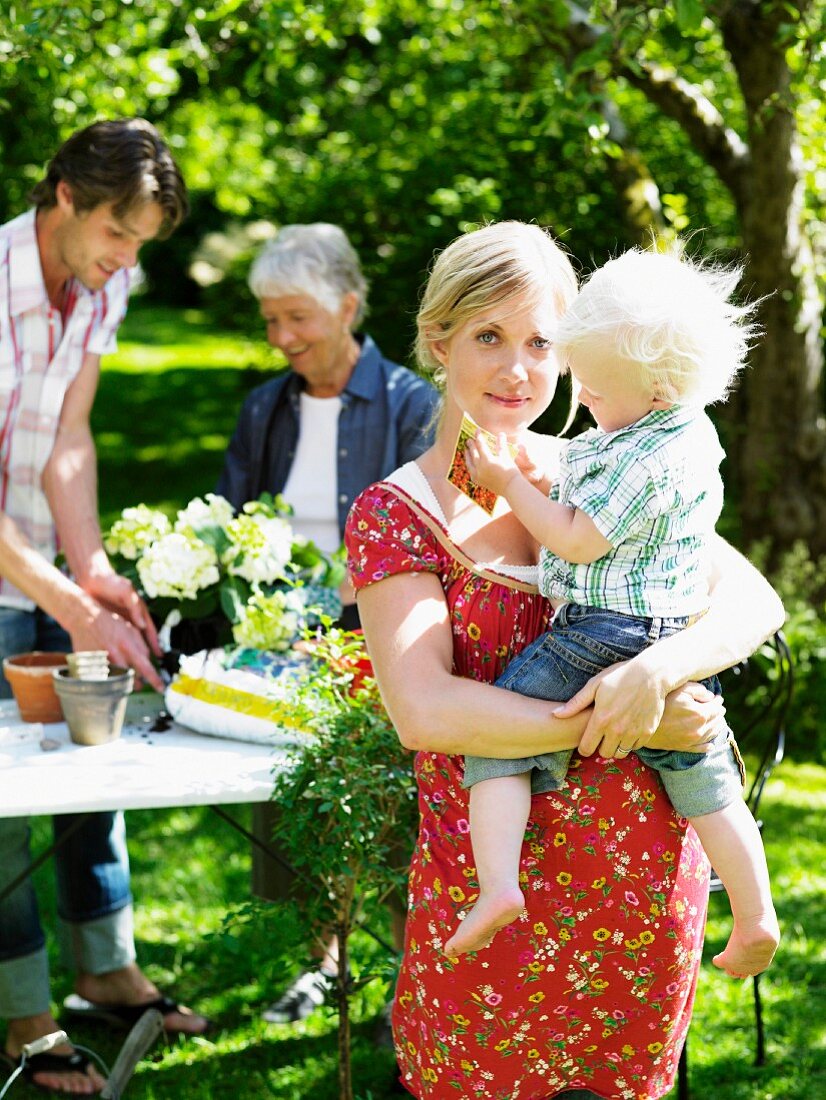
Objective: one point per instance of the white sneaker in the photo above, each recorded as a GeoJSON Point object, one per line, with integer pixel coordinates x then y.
{"type": "Point", "coordinates": [307, 993]}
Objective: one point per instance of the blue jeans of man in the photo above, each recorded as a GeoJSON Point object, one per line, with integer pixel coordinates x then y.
{"type": "Point", "coordinates": [582, 642]}
{"type": "Point", "coordinates": [94, 903]}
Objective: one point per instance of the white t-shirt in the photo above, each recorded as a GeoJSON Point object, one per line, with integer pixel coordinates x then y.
{"type": "Point", "coordinates": [312, 484]}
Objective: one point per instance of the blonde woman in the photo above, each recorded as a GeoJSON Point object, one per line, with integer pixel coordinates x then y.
{"type": "Point", "coordinates": [589, 993]}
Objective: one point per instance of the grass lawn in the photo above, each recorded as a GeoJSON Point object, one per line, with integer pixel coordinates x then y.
{"type": "Point", "coordinates": [190, 869]}
{"type": "Point", "coordinates": [166, 407]}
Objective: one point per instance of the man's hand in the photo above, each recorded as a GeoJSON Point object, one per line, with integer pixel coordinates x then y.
{"type": "Point", "coordinates": [493, 467]}
{"type": "Point", "coordinates": [96, 627]}
{"type": "Point", "coordinates": [117, 595]}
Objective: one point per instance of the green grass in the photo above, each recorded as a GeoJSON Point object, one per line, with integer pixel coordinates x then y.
{"type": "Point", "coordinates": [166, 407]}
{"type": "Point", "coordinates": [190, 869]}
{"type": "Point", "coordinates": [721, 1044]}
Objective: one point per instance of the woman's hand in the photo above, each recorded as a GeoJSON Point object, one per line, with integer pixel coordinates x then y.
{"type": "Point", "coordinates": [631, 711]}
{"type": "Point", "coordinates": [628, 708]}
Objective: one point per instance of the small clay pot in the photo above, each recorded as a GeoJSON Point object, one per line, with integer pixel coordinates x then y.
{"type": "Point", "coordinates": [32, 682]}
{"type": "Point", "coordinates": [94, 709]}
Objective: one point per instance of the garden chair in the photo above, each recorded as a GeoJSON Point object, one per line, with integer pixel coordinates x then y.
{"type": "Point", "coordinates": [758, 692]}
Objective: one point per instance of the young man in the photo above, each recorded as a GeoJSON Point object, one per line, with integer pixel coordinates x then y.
{"type": "Point", "coordinates": [65, 270]}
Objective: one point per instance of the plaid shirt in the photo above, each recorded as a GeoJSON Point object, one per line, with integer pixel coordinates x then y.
{"type": "Point", "coordinates": [41, 352]}
{"type": "Point", "coordinates": [653, 489]}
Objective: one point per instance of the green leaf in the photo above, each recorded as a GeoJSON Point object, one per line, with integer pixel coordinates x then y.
{"type": "Point", "coordinates": [689, 13]}
{"type": "Point", "coordinates": [234, 593]}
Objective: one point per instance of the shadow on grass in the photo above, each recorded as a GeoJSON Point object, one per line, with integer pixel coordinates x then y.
{"type": "Point", "coordinates": [286, 1068]}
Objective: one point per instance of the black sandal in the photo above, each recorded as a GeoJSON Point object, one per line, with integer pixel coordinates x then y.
{"type": "Point", "coordinates": [49, 1063]}
{"type": "Point", "coordinates": [124, 1016]}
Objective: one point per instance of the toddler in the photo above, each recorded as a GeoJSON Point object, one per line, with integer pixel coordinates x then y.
{"type": "Point", "coordinates": [651, 339]}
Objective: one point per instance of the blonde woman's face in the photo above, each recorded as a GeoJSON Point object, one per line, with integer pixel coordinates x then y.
{"type": "Point", "coordinates": [500, 366]}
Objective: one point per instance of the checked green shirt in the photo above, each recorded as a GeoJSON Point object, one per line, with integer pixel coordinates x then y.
{"type": "Point", "coordinates": [654, 491]}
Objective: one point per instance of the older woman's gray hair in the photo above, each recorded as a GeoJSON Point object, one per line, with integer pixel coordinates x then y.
{"type": "Point", "coordinates": [317, 260]}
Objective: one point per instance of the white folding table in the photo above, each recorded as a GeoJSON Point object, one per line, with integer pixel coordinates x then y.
{"type": "Point", "coordinates": [139, 770]}
{"type": "Point", "coordinates": [142, 769]}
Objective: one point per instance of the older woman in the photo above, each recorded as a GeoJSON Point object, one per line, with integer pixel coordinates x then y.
{"type": "Point", "coordinates": [343, 415]}
{"type": "Point", "coordinates": [589, 993]}
{"type": "Point", "coordinates": [340, 418]}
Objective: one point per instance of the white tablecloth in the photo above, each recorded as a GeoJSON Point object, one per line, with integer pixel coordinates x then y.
{"type": "Point", "coordinates": [139, 770]}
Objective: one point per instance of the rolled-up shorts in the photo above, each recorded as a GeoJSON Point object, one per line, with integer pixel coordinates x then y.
{"type": "Point", "coordinates": [583, 642]}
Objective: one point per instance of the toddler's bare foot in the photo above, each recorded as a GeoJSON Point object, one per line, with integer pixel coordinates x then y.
{"type": "Point", "coordinates": [490, 913]}
{"type": "Point", "coordinates": [750, 948]}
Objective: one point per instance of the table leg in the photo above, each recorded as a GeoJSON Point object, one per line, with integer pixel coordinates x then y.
{"type": "Point", "coordinates": [272, 854]}
{"type": "Point", "coordinates": [44, 855]}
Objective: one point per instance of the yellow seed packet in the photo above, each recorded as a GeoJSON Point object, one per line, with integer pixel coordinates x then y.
{"type": "Point", "coordinates": [459, 475]}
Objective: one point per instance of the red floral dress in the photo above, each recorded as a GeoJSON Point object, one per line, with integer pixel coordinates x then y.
{"type": "Point", "coordinates": [593, 987]}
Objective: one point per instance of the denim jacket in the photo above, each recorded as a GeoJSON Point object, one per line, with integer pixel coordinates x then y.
{"type": "Point", "coordinates": [386, 420]}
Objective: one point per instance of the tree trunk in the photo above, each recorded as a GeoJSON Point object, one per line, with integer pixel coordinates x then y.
{"type": "Point", "coordinates": [781, 467]}
{"type": "Point", "coordinates": [345, 1068]}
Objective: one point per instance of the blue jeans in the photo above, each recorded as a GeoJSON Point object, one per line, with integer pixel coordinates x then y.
{"type": "Point", "coordinates": [583, 642]}
{"type": "Point", "coordinates": [92, 870]}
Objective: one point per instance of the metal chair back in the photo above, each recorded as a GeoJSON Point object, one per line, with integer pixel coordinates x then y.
{"type": "Point", "coordinates": [758, 693]}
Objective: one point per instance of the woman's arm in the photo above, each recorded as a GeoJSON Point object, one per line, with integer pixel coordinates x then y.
{"type": "Point", "coordinates": [744, 610]}
{"type": "Point", "coordinates": [407, 627]}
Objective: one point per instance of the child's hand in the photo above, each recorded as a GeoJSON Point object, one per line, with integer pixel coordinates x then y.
{"type": "Point", "coordinates": [491, 469]}
{"type": "Point", "coordinates": [531, 464]}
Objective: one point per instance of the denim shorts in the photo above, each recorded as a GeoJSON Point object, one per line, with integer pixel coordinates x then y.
{"type": "Point", "coordinates": [583, 642]}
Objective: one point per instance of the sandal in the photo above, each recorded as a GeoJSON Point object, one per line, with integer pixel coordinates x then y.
{"type": "Point", "coordinates": [48, 1063]}
{"type": "Point", "coordinates": [125, 1016]}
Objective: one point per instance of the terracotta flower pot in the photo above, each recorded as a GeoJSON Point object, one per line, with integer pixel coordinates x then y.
{"type": "Point", "coordinates": [30, 676]}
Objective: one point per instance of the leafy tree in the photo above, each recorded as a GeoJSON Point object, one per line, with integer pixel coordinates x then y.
{"type": "Point", "coordinates": [406, 122]}
{"type": "Point", "coordinates": [741, 79]}
{"type": "Point", "coordinates": [349, 807]}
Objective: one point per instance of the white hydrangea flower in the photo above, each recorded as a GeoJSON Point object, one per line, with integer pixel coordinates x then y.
{"type": "Point", "coordinates": [209, 511]}
{"type": "Point", "coordinates": [178, 566]}
{"type": "Point", "coordinates": [268, 622]}
{"type": "Point", "coordinates": [261, 547]}
{"type": "Point", "coordinates": [136, 530]}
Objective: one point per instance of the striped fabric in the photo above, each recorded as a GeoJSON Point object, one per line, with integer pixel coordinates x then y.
{"type": "Point", "coordinates": [41, 352]}
{"type": "Point", "coordinates": [653, 489]}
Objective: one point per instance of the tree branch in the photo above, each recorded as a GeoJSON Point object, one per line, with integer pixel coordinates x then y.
{"type": "Point", "coordinates": [719, 145]}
